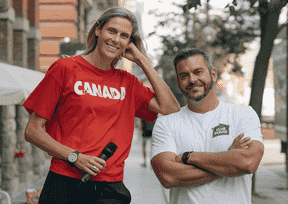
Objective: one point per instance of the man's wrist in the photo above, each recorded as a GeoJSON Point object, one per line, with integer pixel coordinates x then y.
{"type": "Point", "coordinates": [186, 156]}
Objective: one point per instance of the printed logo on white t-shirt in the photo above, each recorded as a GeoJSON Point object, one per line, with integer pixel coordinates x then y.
{"type": "Point", "coordinates": [221, 129]}
{"type": "Point", "coordinates": [81, 88]}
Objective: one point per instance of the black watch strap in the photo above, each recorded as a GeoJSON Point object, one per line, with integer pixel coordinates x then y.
{"type": "Point", "coordinates": [185, 157]}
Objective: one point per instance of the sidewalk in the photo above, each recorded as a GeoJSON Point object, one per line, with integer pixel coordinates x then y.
{"type": "Point", "coordinates": [271, 176]}
{"type": "Point", "coordinates": [270, 184]}
{"type": "Point", "coordinates": [272, 153]}
{"type": "Point", "coordinates": [145, 187]}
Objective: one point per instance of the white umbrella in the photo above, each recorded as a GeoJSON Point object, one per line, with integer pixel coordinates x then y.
{"type": "Point", "coordinates": [16, 83]}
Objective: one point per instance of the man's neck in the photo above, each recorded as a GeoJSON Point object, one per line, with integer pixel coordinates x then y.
{"type": "Point", "coordinates": [209, 103]}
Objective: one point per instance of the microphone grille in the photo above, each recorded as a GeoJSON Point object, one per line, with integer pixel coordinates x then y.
{"type": "Point", "coordinates": [112, 146]}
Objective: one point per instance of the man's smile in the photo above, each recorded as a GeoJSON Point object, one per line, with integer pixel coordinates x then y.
{"type": "Point", "coordinates": [193, 87]}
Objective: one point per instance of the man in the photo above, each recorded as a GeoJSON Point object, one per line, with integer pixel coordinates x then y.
{"type": "Point", "coordinates": [206, 152]}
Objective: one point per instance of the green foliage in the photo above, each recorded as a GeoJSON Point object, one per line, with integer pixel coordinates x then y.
{"type": "Point", "coordinates": [268, 12]}
{"type": "Point", "coordinates": [191, 4]}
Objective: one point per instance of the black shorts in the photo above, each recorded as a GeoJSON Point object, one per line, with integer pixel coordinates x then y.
{"type": "Point", "coordinates": [59, 189]}
{"type": "Point", "coordinates": [147, 133]}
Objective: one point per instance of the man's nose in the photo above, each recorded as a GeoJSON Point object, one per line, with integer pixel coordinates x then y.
{"type": "Point", "coordinates": [192, 79]}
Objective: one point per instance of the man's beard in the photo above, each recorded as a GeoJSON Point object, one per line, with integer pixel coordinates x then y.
{"type": "Point", "coordinates": [207, 89]}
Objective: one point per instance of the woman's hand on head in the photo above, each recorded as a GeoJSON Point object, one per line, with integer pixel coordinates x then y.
{"type": "Point", "coordinates": [87, 162]}
{"type": "Point", "coordinates": [132, 53]}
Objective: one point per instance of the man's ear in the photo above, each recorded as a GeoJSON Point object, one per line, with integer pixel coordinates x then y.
{"type": "Point", "coordinates": [177, 81]}
{"type": "Point", "coordinates": [214, 74]}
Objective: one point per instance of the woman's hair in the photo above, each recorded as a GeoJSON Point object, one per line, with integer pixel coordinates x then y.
{"type": "Point", "coordinates": [104, 18]}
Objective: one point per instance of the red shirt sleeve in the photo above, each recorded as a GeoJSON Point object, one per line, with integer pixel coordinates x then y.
{"type": "Point", "coordinates": [44, 98]}
{"type": "Point", "coordinates": [143, 96]}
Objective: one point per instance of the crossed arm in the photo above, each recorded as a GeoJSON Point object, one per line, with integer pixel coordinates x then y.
{"type": "Point", "coordinates": [242, 157]}
{"type": "Point", "coordinates": [235, 162]}
{"type": "Point", "coordinates": [171, 172]}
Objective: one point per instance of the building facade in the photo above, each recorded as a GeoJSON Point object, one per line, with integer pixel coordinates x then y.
{"type": "Point", "coordinates": [59, 20]}
{"type": "Point", "coordinates": [21, 162]}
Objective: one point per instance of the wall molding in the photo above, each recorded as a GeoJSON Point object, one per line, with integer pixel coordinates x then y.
{"type": "Point", "coordinates": [34, 33]}
{"type": "Point", "coordinates": [21, 23]}
{"type": "Point", "coordinates": [9, 14]}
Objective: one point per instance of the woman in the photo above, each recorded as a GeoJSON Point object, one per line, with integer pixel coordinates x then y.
{"type": "Point", "coordinates": [83, 103]}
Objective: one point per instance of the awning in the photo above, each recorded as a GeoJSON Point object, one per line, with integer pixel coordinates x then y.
{"type": "Point", "coordinates": [16, 83]}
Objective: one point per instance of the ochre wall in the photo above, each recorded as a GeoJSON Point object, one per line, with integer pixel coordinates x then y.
{"type": "Point", "coordinates": [58, 19]}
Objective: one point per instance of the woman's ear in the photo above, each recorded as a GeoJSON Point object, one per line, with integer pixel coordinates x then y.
{"type": "Point", "coordinates": [97, 31]}
{"type": "Point", "coordinates": [132, 39]}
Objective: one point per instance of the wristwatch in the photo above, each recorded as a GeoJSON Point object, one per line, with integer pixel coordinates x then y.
{"type": "Point", "coordinates": [185, 156]}
{"type": "Point", "coordinates": [72, 158]}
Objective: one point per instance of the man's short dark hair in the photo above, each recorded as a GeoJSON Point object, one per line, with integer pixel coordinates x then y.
{"type": "Point", "coordinates": [190, 52]}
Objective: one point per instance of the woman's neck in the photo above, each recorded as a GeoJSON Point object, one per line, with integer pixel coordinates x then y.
{"type": "Point", "coordinates": [95, 59]}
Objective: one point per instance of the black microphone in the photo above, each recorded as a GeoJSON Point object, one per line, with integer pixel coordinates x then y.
{"type": "Point", "coordinates": [106, 153]}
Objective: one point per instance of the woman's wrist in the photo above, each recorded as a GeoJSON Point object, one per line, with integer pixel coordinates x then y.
{"type": "Point", "coordinates": [144, 63]}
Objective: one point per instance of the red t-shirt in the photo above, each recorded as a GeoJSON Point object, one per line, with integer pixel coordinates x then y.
{"type": "Point", "coordinates": [86, 108]}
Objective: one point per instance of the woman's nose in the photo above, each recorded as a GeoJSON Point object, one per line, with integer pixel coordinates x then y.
{"type": "Point", "coordinates": [116, 38]}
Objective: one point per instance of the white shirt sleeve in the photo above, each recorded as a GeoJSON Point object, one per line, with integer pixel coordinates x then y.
{"type": "Point", "coordinates": [249, 124]}
{"type": "Point", "coordinates": [163, 139]}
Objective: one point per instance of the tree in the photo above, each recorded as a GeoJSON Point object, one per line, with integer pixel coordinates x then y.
{"type": "Point", "coordinates": [225, 38]}
{"type": "Point", "coordinates": [269, 13]}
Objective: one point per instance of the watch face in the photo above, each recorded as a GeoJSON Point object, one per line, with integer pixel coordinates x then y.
{"type": "Point", "coordinates": [72, 157]}
{"type": "Point", "coordinates": [184, 156]}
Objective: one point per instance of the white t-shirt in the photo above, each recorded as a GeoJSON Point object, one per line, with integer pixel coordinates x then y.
{"type": "Point", "coordinates": [213, 131]}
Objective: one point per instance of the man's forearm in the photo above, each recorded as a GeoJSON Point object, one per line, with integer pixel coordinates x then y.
{"type": "Point", "coordinates": [231, 163]}
{"type": "Point", "coordinates": [194, 176]}
{"type": "Point", "coordinates": [174, 174]}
